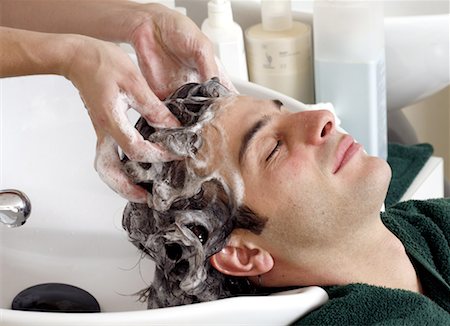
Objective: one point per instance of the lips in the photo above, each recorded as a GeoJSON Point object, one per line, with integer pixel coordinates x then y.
{"type": "Point", "coordinates": [346, 150]}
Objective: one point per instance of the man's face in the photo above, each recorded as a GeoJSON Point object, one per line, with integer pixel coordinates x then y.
{"type": "Point", "coordinates": [313, 183]}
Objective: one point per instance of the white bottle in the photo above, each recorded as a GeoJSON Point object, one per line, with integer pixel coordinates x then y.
{"type": "Point", "coordinates": [350, 68]}
{"type": "Point", "coordinates": [227, 38]}
{"type": "Point", "coordinates": [279, 52]}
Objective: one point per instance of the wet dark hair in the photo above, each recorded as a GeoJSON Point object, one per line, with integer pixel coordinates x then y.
{"type": "Point", "coordinates": [188, 217]}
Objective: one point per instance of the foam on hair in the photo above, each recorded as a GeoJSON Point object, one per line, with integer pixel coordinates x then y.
{"type": "Point", "coordinates": [188, 217]}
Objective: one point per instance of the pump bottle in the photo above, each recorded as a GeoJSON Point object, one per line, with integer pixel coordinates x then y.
{"type": "Point", "coordinates": [227, 38]}
{"type": "Point", "coordinates": [350, 68]}
{"type": "Point", "coordinates": [279, 52]}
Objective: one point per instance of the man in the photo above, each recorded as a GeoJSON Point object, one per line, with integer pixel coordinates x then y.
{"type": "Point", "coordinates": [286, 201]}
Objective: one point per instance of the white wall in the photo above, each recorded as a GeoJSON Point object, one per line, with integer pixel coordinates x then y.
{"type": "Point", "coordinates": [431, 119]}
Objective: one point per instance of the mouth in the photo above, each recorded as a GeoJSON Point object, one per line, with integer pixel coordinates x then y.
{"type": "Point", "coordinates": [346, 150]}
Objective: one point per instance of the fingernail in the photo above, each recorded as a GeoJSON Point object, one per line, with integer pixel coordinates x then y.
{"type": "Point", "coordinates": [173, 157]}
{"type": "Point", "coordinates": [171, 121]}
{"type": "Point", "coordinates": [139, 196]}
{"type": "Point", "coordinates": [177, 157]}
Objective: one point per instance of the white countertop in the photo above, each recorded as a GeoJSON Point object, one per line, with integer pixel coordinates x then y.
{"type": "Point", "coordinates": [429, 183]}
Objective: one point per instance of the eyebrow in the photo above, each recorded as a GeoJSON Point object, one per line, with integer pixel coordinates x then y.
{"type": "Point", "coordinates": [257, 126]}
{"type": "Point", "coordinates": [250, 134]}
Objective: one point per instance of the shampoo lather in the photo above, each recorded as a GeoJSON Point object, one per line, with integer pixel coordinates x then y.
{"type": "Point", "coordinates": [279, 52]}
{"type": "Point", "coordinates": [350, 68]}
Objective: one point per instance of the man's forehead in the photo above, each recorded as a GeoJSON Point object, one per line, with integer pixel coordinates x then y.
{"type": "Point", "coordinates": [228, 103]}
{"type": "Point", "coordinates": [242, 105]}
{"type": "Point", "coordinates": [234, 117]}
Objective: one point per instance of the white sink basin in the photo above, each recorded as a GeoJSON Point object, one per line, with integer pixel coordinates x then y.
{"type": "Point", "coordinates": [74, 234]}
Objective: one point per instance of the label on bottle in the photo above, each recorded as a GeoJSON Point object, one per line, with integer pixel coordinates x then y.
{"type": "Point", "coordinates": [277, 57]}
{"type": "Point", "coordinates": [282, 65]}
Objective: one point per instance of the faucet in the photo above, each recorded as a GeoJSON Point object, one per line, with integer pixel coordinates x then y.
{"type": "Point", "coordinates": [15, 207]}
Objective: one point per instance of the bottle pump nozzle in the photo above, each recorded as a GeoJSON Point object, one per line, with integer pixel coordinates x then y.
{"type": "Point", "coordinates": [219, 13]}
{"type": "Point", "coordinates": [276, 15]}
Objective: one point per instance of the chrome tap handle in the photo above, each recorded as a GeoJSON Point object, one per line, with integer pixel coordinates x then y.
{"type": "Point", "coordinates": [15, 207]}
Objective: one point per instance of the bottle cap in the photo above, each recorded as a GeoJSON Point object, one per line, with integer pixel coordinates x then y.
{"type": "Point", "coordinates": [348, 30]}
{"type": "Point", "coordinates": [219, 13]}
{"type": "Point", "coordinates": [276, 15]}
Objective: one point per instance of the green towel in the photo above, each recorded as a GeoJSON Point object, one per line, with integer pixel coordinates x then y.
{"type": "Point", "coordinates": [406, 162]}
{"type": "Point", "coordinates": [424, 229]}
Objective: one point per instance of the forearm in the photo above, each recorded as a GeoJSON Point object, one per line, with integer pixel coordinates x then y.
{"type": "Point", "coordinates": [25, 53]}
{"type": "Point", "coordinates": [110, 20]}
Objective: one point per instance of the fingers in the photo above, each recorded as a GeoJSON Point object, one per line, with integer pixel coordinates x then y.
{"type": "Point", "coordinates": [137, 148]}
{"type": "Point", "coordinates": [208, 66]}
{"type": "Point", "coordinates": [175, 58]}
{"type": "Point", "coordinates": [109, 168]}
{"type": "Point", "coordinates": [141, 150]}
{"type": "Point", "coordinates": [205, 62]}
{"type": "Point", "coordinates": [109, 84]}
{"type": "Point", "coordinates": [130, 140]}
{"type": "Point", "coordinates": [153, 110]}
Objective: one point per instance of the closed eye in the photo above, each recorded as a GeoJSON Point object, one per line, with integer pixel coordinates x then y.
{"type": "Point", "coordinates": [274, 150]}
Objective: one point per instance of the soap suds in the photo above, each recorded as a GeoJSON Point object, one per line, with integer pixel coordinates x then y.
{"type": "Point", "coordinates": [118, 112]}
{"type": "Point", "coordinates": [109, 167]}
{"type": "Point", "coordinates": [191, 210]}
{"type": "Point", "coordinates": [232, 174]}
{"type": "Point", "coordinates": [239, 188]}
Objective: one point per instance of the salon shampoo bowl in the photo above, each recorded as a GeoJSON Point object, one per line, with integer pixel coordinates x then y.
{"type": "Point", "coordinates": [281, 309]}
{"type": "Point", "coordinates": [74, 234]}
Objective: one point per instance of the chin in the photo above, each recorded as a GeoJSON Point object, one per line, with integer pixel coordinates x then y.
{"type": "Point", "coordinates": [375, 183]}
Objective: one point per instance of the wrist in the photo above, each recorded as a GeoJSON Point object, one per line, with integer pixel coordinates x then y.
{"type": "Point", "coordinates": [69, 47]}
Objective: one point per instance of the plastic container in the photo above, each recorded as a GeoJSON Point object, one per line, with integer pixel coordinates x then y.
{"type": "Point", "coordinates": [279, 52]}
{"type": "Point", "coordinates": [349, 60]}
{"type": "Point", "coordinates": [227, 38]}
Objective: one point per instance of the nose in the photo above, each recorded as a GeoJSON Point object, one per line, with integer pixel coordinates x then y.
{"type": "Point", "coordinates": [316, 126]}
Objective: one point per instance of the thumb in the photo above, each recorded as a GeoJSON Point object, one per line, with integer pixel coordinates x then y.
{"type": "Point", "coordinates": [153, 110]}
{"type": "Point", "coordinates": [204, 60]}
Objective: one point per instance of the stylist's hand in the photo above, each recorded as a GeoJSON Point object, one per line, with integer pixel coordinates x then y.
{"type": "Point", "coordinates": [171, 50]}
{"type": "Point", "coordinates": [109, 84]}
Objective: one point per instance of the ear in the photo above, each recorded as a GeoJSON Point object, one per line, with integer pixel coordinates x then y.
{"type": "Point", "coordinates": [242, 257]}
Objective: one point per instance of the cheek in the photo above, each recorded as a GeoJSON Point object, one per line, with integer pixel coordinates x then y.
{"type": "Point", "coordinates": [292, 166]}
{"type": "Point", "coordinates": [291, 228]}
{"type": "Point", "coordinates": [307, 193]}
{"type": "Point", "coordinates": [282, 188]}
{"type": "Point", "coordinates": [294, 176]}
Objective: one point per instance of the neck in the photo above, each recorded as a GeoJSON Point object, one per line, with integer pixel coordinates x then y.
{"type": "Point", "coordinates": [380, 260]}
{"type": "Point", "coordinates": [376, 257]}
